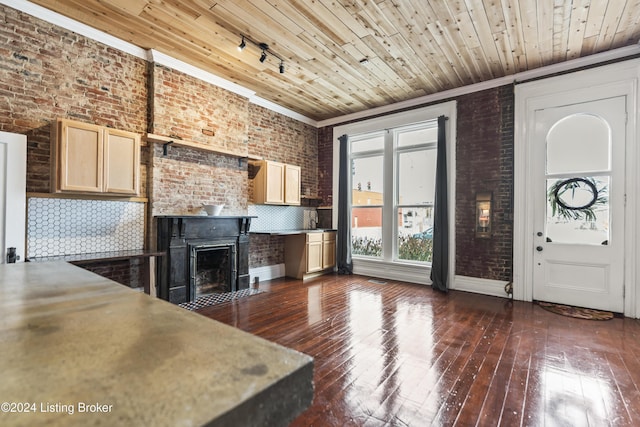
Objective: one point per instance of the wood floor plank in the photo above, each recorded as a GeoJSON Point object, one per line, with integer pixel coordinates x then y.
{"type": "Point", "coordinates": [400, 354]}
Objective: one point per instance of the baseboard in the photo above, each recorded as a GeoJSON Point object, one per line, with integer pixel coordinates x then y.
{"type": "Point", "coordinates": [267, 272]}
{"type": "Point", "coordinates": [401, 272]}
{"type": "Point", "coordinates": [481, 286]}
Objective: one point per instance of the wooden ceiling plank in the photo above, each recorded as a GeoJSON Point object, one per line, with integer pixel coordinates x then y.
{"type": "Point", "coordinates": [577, 28]}
{"type": "Point", "coordinates": [545, 33]}
{"type": "Point", "coordinates": [610, 24]}
{"type": "Point", "coordinates": [424, 43]}
{"type": "Point", "coordinates": [561, 26]}
{"type": "Point", "coordinates": [483, 29]}
{"type": "Point", "coordinates": [452, 43]}
{"type": "Point", "coordinates": [629, 28]}
{"type": "Point", "coordinates": [513, 23]}
{"type": "Point", "coordinates": [371, 17]}
{"type": "Point", "coordinates": [597, 10]}
{"type": "Point", "coordinates": [349, 19]}
{"type": "Point", "coordinates": [528, 14]}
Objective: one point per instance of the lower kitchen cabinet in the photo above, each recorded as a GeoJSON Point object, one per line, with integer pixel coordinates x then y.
{"type": "Point", "coordinates": [309, 254]}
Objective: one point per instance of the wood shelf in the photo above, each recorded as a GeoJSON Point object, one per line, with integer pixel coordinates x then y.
{"type": "Point", "coordinates": [197, 146]}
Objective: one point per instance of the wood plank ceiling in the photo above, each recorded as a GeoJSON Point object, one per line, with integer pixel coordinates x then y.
{"type": "Point", "coordinates": [346, 56]}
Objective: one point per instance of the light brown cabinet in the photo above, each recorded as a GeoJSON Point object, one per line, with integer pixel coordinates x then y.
{"type": "Point", "coordinates": [309, 254]}
{"type": "Point", "coordinates": [87, 158]}
{"type": "Point", "coordinates": [328, 249]}
{"type": "Point", "coordinates": [276, 183]}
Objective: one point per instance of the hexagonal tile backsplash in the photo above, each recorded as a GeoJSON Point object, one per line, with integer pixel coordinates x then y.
{"type": "Point", "coordinates": [69, 226]}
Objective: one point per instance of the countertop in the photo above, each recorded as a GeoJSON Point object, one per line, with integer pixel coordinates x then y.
{"type": "Point", "coordinates": [293, 231]}
{"type": "Point", "coordinates": [79, 349]}
{"type": "Point", "coordinates": [100, 256]}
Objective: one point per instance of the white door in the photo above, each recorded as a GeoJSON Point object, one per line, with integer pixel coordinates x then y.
{"type": "Point", "coordinates": [13, 176]}
{"type": "Point", "coordinates": [579, 157]}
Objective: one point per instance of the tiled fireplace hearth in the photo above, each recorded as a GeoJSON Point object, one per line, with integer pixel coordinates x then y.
{"type": "Point", "coordinates": [205, 255]}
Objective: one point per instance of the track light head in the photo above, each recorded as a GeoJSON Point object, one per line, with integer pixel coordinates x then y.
{"type": "Point", "coordinates": [242, 45]}
{"type": "Point", "coordinates": [263, 56]}
{"type": "Point", "coordinates": [281, 67]}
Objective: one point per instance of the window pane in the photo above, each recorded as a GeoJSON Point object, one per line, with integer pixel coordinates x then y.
{"type": "Point", "coordinates": [366, 179]}
{"type": "Point", "coordinates": [366, 231]}
{"type": "Point", "coordinates": [373, 143]}
{"type": "Point", "coordinates": [576, 213]}
{"type": "Point", "coordinates": [579, 143]}
{"type": "Point", "coordinates": [416, 177]}
{"type": "Point", "coordinates": [417, 137]}
{"type": "Point", "coordinates": [415, 234]}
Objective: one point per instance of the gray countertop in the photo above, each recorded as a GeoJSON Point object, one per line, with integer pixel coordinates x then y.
{"type": "Point", "coordinates": [79, 349]}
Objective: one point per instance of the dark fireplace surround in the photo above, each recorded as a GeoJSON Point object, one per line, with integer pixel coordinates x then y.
{"type": "Point", "coordinates": [205, 254]}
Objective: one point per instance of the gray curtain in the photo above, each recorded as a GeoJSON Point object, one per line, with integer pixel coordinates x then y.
{"type": "Point", "coordinates": [343, 251]}
{"type": "Point", "coordinates": [440, 259]}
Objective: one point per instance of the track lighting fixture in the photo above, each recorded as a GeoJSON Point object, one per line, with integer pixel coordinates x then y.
{"type": "Point", "coordinates": [265, 51]}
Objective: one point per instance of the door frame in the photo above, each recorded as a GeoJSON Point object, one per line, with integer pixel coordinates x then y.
{"type": "Point", "coordinates": [14, 190]}
{"type": "Point", "coordinates": [607, 81]}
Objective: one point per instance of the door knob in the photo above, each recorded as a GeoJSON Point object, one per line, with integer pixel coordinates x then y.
{"type": "Point", "coordinates": [539, 233]}
{"type": "Point", "coordinates": [539, 248]}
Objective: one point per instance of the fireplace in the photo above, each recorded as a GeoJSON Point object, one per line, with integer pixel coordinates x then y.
{"type": "Point", "coordinates": [205, 255]}
{"type": "Point", "coordinates": [212, 266]}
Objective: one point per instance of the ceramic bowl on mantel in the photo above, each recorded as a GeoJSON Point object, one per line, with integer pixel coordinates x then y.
{"type": "Point", "coordinates": [213, 210]}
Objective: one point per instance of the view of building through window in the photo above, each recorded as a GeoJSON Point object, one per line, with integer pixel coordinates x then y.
{"type": "Point", "coordinates": [401, 161]}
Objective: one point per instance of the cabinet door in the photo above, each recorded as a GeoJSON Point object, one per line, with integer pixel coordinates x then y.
{"type": "Point", "coordinates": [80, 157]}
{"type": "Point", "coordinates": [314, 256]}
{"type": "Point", "coordinates": [314, 252]}
{"type": "Point", "coordinates": [328, 250]}
{"type": "Point", "coordinates": [122, 160]}
{"type": "Point", "coordinates": [292, 185]}
{"type": "Point", "coordinates": [274, 185]}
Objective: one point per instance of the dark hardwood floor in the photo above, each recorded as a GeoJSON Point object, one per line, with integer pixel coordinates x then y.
{"type": "Point", "coordinates": [399, 354]}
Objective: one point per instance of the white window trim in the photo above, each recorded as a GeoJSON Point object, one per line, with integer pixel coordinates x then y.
{"type": "Point", "coordinates": [403, 270]}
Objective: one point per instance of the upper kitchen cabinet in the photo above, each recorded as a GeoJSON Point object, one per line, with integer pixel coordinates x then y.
{"type": "Point", "coordinates": [276, 183]}
{"type": "Point", "coordinates": [292, 180]}
{"type": "Point", "coordinates": [87, 158]}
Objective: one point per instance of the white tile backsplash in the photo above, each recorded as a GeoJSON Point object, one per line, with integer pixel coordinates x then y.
{"type": "Point", "coordinates": [69, 226]}
{"type": "Point", "coordinates": [277, 217]}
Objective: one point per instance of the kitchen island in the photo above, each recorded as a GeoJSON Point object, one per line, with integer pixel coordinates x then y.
{"type": "Point", "coordinates": [79, 349]}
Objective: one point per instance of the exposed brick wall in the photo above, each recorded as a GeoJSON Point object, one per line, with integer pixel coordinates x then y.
{"type": "Point", "coordinates": [47, 72]}
{"type": "Point", "coordinates": [325, 165]}
{"type": "Point", "coordinates": [186, 178]}
{"type": "Point", "coordinates": [484, 155]}
{"type": "Point", "coordinates": [276, 137]}
{"type": "Point", "coordinates": [183, 105]}
{"type": "Point", "coordinates": [265, 250]}
{"type": "Point", "coordinates": [484, 162]}
{"type": "Point", "coordinates": [125, 272]}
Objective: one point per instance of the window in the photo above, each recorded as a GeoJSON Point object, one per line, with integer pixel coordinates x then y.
{"type": "Point", "coordinates": [415, 176]}
{"type": "Point", "coordinates": [407, 155]}
{"type": "Point", "coordinates": [392, 189]}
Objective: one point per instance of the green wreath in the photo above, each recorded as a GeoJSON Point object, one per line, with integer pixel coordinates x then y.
{"type": "Point", "coordinates": [585, 212]}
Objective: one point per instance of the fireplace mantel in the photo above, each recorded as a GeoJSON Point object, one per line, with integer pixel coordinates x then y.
{"type": "Point", "coordinates": [178, 235]}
